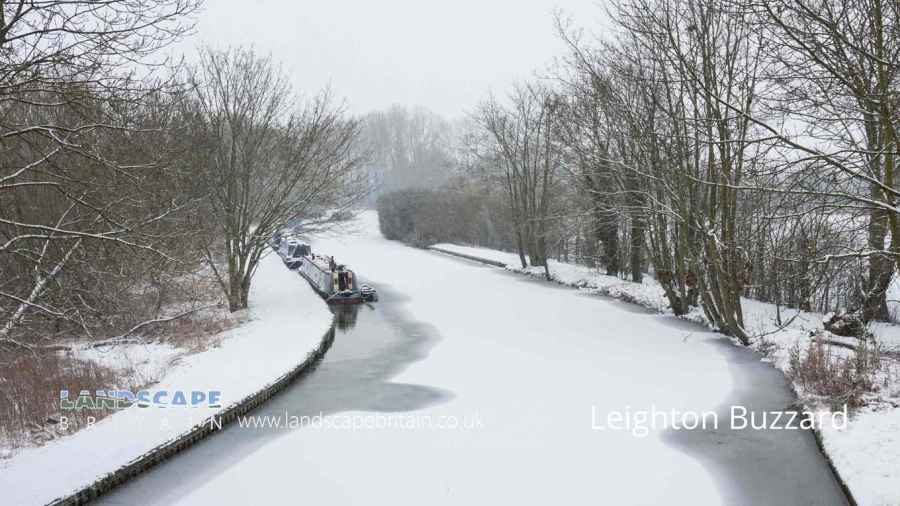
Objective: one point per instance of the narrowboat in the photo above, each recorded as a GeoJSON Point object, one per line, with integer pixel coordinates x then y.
{"type": "Point", "coordinates": [294, 254]}
{"type": "Point", "coordinates": [293, 248]}
{"type": "Point", "coordinates": [335, 283]}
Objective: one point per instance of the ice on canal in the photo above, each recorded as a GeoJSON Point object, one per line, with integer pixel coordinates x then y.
{"type": "Point", "coordinates": [468, 385]}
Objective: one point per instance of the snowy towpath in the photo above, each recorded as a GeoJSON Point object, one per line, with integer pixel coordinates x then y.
{"type": "Point", "coordinates": [527, 371]}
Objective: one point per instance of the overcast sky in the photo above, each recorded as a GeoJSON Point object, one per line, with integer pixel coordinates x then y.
{"type": "Point", "coordinates": [445, 55]}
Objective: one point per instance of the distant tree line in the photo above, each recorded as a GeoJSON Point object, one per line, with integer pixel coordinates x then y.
{"type": "Point", "coordinates": [422, 217]}
{"type": "Point", "coordinates": [408, 148]}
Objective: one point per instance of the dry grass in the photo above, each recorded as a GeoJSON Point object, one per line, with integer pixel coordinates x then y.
{"type": "Point", "coordinates": [30, 382]}
{"type": "Point", "coordinates": [29, 394]}
{"type": "Point", "coordinates": [203, 329]}
{"type": "Point", "coordinates": [836, 379]}
{"type": "Point", "coordinates": [199, 332]}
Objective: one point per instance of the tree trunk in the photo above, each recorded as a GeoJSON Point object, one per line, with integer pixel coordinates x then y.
{"type": "Point", "coordinates": [588, 250]}
{"type": "Point", "coordinates": [520, 247]}
{"type": "Point", "coordinates": [608, 235]}
{"type": "Point", "coordinates": [245, 292]}
{"type": "Point", "coordinates": [881, 269]}
{"type": "Point", "coordinates": [234, 301]}
{"type": "Point", "coordinates": [637, 249]}
{"type": "Point", "coordinates": [538, 252]}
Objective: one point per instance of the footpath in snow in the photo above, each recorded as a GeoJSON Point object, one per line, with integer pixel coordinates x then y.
{"type": "Point", "coordinates": [866, 454]}
{"type": "Point", "coordinates": [286, 321]}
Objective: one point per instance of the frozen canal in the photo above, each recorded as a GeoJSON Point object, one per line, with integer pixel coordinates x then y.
{"type": "Point", "coordinates": [468, 385]}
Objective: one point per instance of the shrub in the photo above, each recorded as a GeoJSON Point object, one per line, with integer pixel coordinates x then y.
{"type": "Point", "coordinates": [837, 380]}
{"type": "Point", "coordinates": [29, 393]}
{"type": "Point", "coordinates": [447, 214]}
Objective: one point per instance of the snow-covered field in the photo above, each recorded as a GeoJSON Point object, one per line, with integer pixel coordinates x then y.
{"type": "Point", "coordinates": [286, 321]}
{"type": "Point", "coordinates": [867, 453]}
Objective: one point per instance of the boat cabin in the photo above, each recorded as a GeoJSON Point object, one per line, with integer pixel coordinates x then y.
{"type": "Point", "coordinates": [335, 283]}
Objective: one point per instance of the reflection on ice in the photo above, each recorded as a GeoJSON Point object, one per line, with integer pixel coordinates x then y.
{"type": "Point", "coordinates": [344, 315]}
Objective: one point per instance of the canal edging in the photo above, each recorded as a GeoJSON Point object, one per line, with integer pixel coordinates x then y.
{"type": "Point", "coordinates": [200, 431]}
{"type": "Point", "coordinates": [468, 257]}
{"type": "Point", "coordinates": [820, 443]}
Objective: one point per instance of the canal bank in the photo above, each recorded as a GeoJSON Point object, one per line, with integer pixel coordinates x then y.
{"type": "Point", "coordinates": [281, 334]}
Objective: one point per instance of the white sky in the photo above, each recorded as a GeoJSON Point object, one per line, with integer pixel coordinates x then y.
{"type": "Point", "coordinates": [445, 55]}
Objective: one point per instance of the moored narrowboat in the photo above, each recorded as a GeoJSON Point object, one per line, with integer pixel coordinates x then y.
{"type": "Point", "coordinates": [295, 254]}
{"type": "Point", "coordinates": [335, 283]}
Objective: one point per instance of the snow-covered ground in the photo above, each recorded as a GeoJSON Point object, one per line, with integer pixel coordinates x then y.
{"type": "Point", "coordinates": [539, 369]}
{"type": "Point", "coordinates": [286, 320]}
{"type": "Point", "coordinates": [867, 453]}
{"type": "Point", "coordinates": [144, 363]}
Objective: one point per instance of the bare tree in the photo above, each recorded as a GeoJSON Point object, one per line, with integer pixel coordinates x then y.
{"type": "Point", "coordinates": [529, 160]}
{"type": "Point", "coordinates": [263, 160]}
{"type": "Point", "coordinates": [675, 153]}
{"type": "Point", "coordinates": [71, 106]}
{"type": "Point", "coordinates": [843, 59]}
